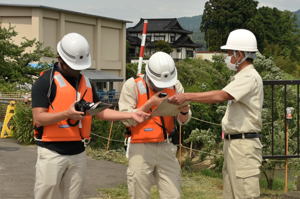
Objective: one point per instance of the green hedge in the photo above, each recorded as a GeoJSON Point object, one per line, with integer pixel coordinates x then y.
{"type": "Point", "coordinates": [22, 124]}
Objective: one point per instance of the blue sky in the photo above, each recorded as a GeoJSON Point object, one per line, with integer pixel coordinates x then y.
{"type": "Point", "coordinates": [133, 10]}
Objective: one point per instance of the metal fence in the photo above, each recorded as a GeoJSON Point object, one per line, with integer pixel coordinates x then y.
{"type": "Point", "coordinates": [288, 92]}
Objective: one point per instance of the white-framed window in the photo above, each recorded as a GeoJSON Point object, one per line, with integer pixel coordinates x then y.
{"type": "Point", "coordinates": [148, 38]}
{"type": "Point", "coordinates": [159, 37]}
{"type": "Point", "coordinates": [102, 85]}
{"type": "Point", "coordinates": [172, 38]}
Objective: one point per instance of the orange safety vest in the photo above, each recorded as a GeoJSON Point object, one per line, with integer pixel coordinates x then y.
{"type": "Point", "coordinates": [150, 130]}
{"type": "Point", "coordinates": [65, 96]}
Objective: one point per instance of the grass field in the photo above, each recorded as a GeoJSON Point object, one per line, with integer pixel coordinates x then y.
{"type": "Point", "coordinates": [196, 184]}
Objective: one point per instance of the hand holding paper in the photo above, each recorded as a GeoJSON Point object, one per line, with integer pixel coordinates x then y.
{"type": "Point", "coordinates": [177, 99]}
{"type": "Point", "coordinates": [167, 109]}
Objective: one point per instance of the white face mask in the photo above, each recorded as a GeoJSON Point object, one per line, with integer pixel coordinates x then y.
{"type": "Point", "coordinates": [229, 64]}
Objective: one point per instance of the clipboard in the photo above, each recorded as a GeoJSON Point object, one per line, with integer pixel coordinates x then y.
{"type": "Point", "coordinates": [167, 109]}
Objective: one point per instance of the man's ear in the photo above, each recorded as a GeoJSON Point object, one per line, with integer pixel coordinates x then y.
{"type": "Point", "coordinates": [240, 55]}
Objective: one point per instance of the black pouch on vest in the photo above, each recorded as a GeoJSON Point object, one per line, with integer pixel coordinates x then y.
{"type": "Point", "coordinates": [174, 136]}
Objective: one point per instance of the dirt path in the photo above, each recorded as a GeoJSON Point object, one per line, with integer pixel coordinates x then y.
{"type": "Point", "coordinates": [17, 172]}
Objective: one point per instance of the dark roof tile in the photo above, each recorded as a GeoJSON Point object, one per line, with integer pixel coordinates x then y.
{"type": "Point", "coordinates": [159, 25]}
{"type": "Point", "coordinates": [185, 41]}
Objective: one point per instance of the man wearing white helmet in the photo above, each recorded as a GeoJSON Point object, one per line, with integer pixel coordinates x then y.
{"type": "Point", "coordinates": [242, 121]}
{"type": "Point", "coordinates": [61, 132]}
{"type": "Point", "coordinates": [152, 154]}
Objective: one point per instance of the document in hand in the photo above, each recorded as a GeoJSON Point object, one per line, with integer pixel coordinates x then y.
{"type": "Point", "coordinates": [167, 109]}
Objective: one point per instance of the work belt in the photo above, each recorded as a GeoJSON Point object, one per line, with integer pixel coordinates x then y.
{"type": "Point", "coordinates": [242, 136]}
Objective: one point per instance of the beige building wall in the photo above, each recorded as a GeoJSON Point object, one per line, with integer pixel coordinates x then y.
{"type": "Point", "coordinates": [107, 37]}
{"type": "Point", "coordinates": [207, 55]}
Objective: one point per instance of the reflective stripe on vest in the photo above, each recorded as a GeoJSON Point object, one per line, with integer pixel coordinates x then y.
{"type": "Point", "coordinates": [150, 131]}
{"type": "Point", "coordinates": [65, 96]}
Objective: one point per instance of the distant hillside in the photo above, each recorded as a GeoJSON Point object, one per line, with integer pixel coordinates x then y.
{"type": "Point", "coordinates": [193, 24]}
{"type": "Point", "coordinates": [297, 13]}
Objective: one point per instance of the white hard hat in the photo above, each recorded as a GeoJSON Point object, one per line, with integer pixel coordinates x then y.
{"type": "Point", "coordinates": [74, 49]}
{"type": "Point", "coordinates": [241, 40]}
{"type": "Point", "coordinates": [161, 70]}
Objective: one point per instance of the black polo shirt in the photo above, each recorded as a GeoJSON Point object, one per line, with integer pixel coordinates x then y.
{"type": "Point", "coordinates": [40, 99]}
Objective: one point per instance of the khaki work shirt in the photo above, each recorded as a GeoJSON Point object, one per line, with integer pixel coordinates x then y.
{"type": "Point", "coordinates": [243, 113]}
{"type": "Point", "coordinates": [128, 99]}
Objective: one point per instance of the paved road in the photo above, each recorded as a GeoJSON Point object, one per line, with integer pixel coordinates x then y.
{"type": "Point", "coordinates": [17, 172]}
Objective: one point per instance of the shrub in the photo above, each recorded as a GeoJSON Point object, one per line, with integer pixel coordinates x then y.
{"type": "Point", "coordinates": [22, 124]}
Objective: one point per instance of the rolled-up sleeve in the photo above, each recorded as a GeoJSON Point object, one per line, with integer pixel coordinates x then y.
{"type": "Point", "coordinates": [128, 100]}
{"type": "Point", "coordinates": [180, 89]}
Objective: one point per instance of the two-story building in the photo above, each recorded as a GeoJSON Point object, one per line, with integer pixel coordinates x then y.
{"type": "Point", "coordinates": [165, 29]}
{"type": "Point", "coordinates": [106, 36]}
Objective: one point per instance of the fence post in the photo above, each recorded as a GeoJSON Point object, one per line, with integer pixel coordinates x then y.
{"type": "Point", "coordinates": [286, 163]}
{"type": "Point", "coordinates": [180, 146]}
{"type": "Point", "coordinates": [109, 135]}
{"type": "Point", "coordinates": [191, 150]}
{"type": "Point", "coordinates": [289, 116]}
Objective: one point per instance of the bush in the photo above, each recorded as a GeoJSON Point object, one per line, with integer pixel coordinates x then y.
{"type": "Point", "coordinates": [22, 124]}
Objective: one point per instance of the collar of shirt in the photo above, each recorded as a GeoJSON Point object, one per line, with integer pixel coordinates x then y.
{"type": "Point", "coordinates": [244, 71]}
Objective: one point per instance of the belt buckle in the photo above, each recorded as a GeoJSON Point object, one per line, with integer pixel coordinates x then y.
{"type": "Point", "coordinates": [243, 135]}
{"type": "Point", "coordinates": [229, 136]}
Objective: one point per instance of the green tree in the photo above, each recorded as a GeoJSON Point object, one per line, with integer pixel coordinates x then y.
{"type": "Point", "coordinates": [277, 32]}
{"type": "Point", "coordinates": [279, 37]}
{"type": "Point", "coordinates": [197, 76]}
{"type": "Point", "coordinates": [162, 46]}
{"type": "Point", "coordinates": [14, 59]}
{"type": "Point", "coordinates": [221, 17]}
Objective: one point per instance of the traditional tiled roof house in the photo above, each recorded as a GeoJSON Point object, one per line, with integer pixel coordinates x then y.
{"type": "Point", "coordinates": [166, 29]}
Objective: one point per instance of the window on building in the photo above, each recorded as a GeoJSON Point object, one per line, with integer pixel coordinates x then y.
{"type": "Point", "coordinates": [179, 50]}
{"type": "Point", "coordinates": [172, 38]}
{"type": "Point", "coordinates": [134, 34]}
{"type": "Point", "coordinates": [102, 85]}
{"type": "Point", "coordinates": [111, 85]}
{"type": "Point", "coordinates": [159, 37]}
{"type": "Point", "coordinates": [148, 38]}
{"type": "Point", "coordinates": [189, 53]}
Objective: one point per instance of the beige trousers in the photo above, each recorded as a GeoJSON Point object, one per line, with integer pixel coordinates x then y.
{"type": "Point", "coordinates": [241, 168]}
{"type": "Point", "coordinates": [153, 163]}
{"type": "Point", "coordinates": [59, 176]}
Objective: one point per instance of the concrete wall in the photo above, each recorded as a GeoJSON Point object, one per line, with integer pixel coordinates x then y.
{"type": "Point", "coordinates": [107, 37]}
{"type": "Point", "coordinates": [207, 55]}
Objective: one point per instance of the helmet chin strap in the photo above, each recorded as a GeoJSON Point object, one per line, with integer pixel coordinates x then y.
{"type": "Point", "coordinates": [237, 64]}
